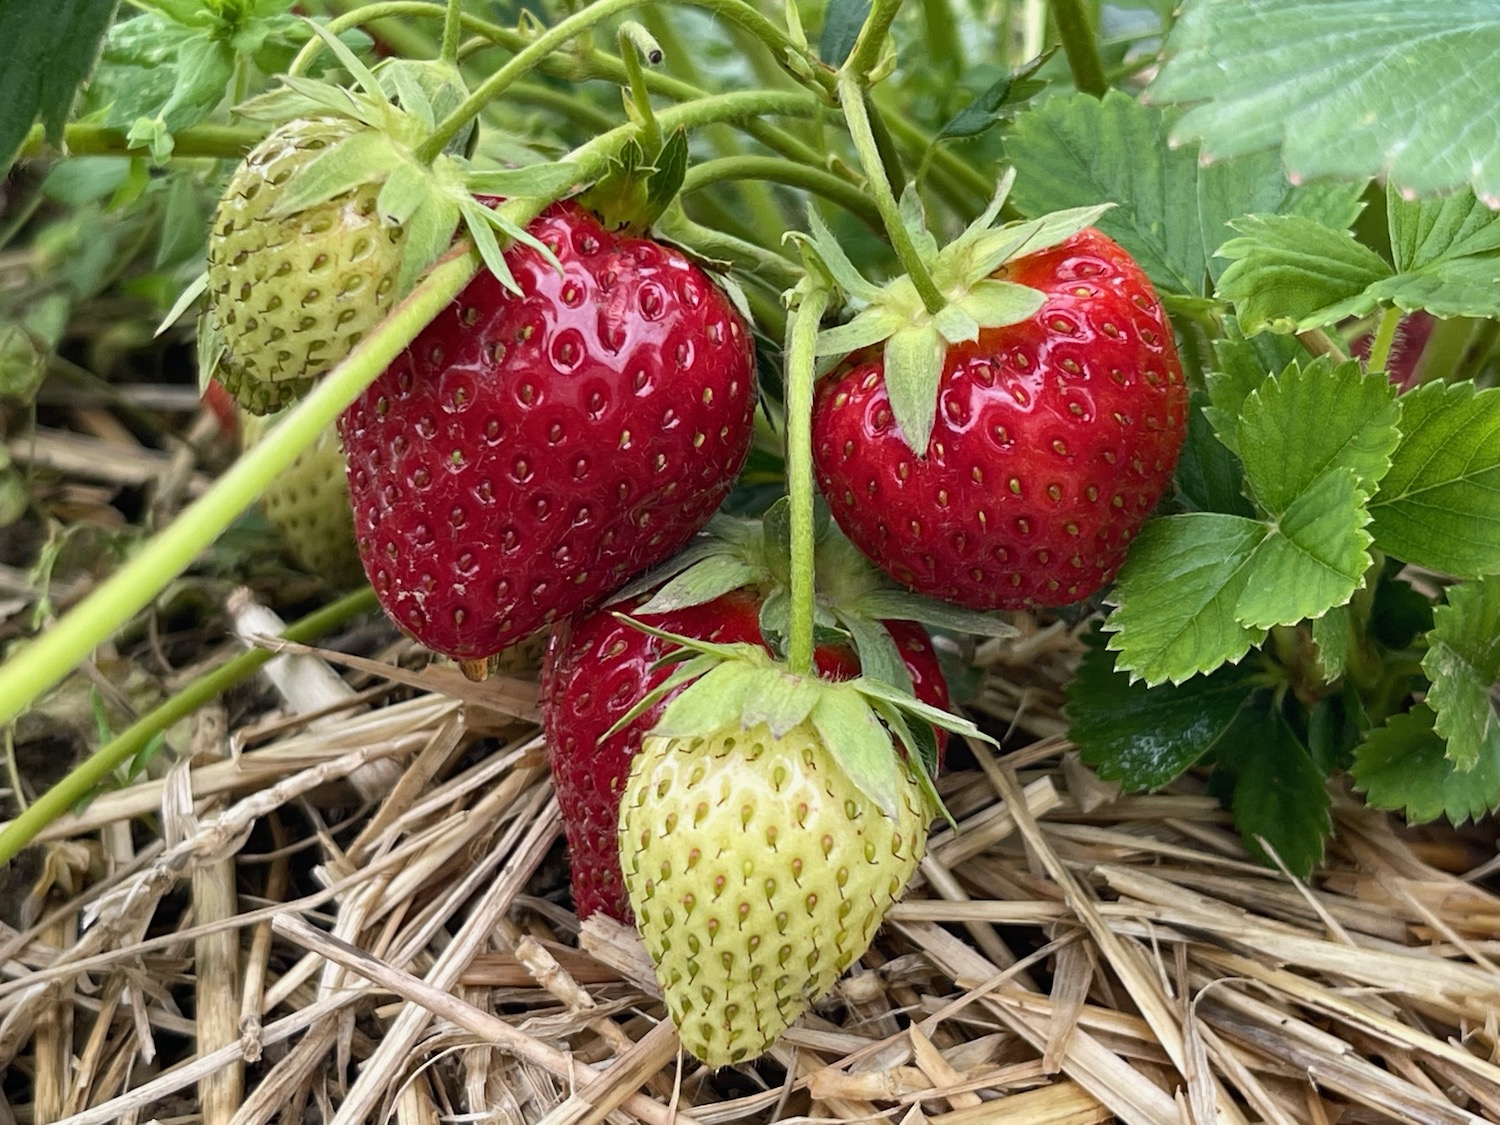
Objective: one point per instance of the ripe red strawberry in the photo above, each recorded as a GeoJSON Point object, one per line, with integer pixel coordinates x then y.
{"type": "Point", "coordinates": [596, 669]}
{"type": "Point", "coordinates": [1053, 440]}
{"type": "Point", "coordinates": [528, 455]}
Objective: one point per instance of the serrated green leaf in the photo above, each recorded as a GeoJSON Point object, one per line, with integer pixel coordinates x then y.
{"type": "Point", "coordinates": [859, 743]}
{"type": "Point", "coordinates": [1455, 287]}
{"type": "Point", "coordinates": [1242, 366]}
{"type": "Point", "coordinates": [364, 157]}
{"type": "Point", "coordinates": [1175, 597]}
{"type": "Point", "coordinates": [1314, 557]}
{"type": "Point", "coordinates": [1313, 418]}
{"type": "Point", "coordinates": [1463, 663]}
{"type": "Point", "coordinates": [989, 105]}
{"type": "Point", "coordinates": [50, 48]}
{"type": "Point", "coordinates": [1404, 765]}
{"type": "Point", "coordinates": [913, 369]}
{"type": "Point", "coordinates": [1145, 737]}
{"type": "Point", "coordinates": [1425, 232]}
{"type": "Point", "coordinates": [1254, 184]}
{"type": "Point", "coordinates": [1331, 635]}
{"type": "Point", "coordinates": [1344, 87]}
{"type": "Point", "coordinates": [1439, 505]}
{"type": "Point", "coordinates": [1289, 274]}
{"type": "Point", "coordinates": [1076, 150]}
{"type": "Point", "coordinates": [780, 699]}
{"type": "Point", "coordinates": [1280, 794]}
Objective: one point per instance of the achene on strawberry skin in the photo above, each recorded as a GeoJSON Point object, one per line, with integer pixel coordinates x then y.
{"type": "Point", "coordinates": [595, 670]}
{"type": "Point", "coordinates": [1054, 440]}
{"type": "Point", "coordinates": [528, 455]}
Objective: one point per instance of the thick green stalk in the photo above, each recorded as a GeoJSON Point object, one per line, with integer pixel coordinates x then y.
{"type": "Point", "coordinates": [1385, 336]}
{"type": "Point", "coordinates": [802, 338]}
{"type": "Point", "coordinates": [1079, 44]}
{"type": "Point", "coordinates": [871, 42]}
{"type": "Point", "coordinates": [452, 25]}
{"type": "Point", "coordinates": [83, 780]}
{"type": "Point", "coordinates": [852, 96]}
{"type": "Point", "coordinates": [43, 662]}
{"type": "Point", "coordinates": [227, 142]}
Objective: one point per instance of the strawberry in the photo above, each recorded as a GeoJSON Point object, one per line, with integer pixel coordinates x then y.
{"type": "Point", "coordinates": [759, 870]}
{"type": "Point", "coordinates": [598, 667]}
{"type": "Point", "coordinates": [289, 295]}
{"type": "Point", "coordinates": [308, 505]}
{"type": "Point", "coordinates": [529, 454]}
{"type": "Point", "coordinates": [1054, 436]}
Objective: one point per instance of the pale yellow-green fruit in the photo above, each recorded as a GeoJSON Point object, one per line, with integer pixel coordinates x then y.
{"type": "Point", "coordinates": [289, 296]}
{"type": "Point", "coordinates": [758, 872]}
{"type": "Point", "coordinates": [308, 505]}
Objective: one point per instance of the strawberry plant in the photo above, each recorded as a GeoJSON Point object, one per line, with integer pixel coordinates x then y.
{"type": "Point", "coordinates": [739, 345]}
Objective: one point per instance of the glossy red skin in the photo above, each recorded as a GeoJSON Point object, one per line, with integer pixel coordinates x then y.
{"type": "Point", "coordinates": [597, 667]}
{"type": "Point", "coordinates": [526, 456]}
{"type": "Point", "coordinates": [1054, 440]}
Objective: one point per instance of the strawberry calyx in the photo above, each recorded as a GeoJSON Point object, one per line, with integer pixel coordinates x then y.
{"type": "Point", "coordinates": [737, 687]}
{"type": "Point", "coordinates": [966, 272]}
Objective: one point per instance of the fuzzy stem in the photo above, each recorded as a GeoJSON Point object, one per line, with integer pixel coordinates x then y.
{"type": "Point", "coordinates": [635, 44]}
{"type": "Point", "coordinates": [82, 781]}
{"type": "Point", "coordinates": [43, 662]}
{"type": "Point", "coordinates": [1385, 336]}
{"type": "Point", "coordinates": [736, 11]}
{"type": "Point", "coordinates": [866, 53]}
{"type": "Point", "coordinates": [852, 96]}
{"type": "Point", "coordinates": [802, 338]}
{"type": "Point", "coordinates": [789, 172]}
{"type": "Point", "coordinates": [452, 25]}
{"type": "Point", "coordinates": [1079, 44]}
{"type": "Point", "coordinates": [714, 244]}
{"type": "Point", "coordinates": [1319, 342]}
{"type": "Point", "coordinates": [227, 142]}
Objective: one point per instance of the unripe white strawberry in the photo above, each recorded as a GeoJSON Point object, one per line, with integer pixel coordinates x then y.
{"type": "Point", "coordinates": [758, 872]}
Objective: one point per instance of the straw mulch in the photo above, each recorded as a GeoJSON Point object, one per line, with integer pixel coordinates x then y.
{"type": "Point", "coordinates": [359, 914]}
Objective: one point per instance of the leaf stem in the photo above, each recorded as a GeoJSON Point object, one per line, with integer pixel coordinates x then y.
{"type": "Point", "coordinates": [635, 44]}
{"type": "Point", "coordinates": [452, 26]}
{"type": "Point", "coordinates": [227, 142]}
{"type": "Point", "coordinates": [1078, 42]}
{"type": "Point", "coordinates": [82, 781]}
{"type": "Point", "coordinates": [1385, 336]}
{"type": "Point", "coordinates": [802, 336]}
{"type": "Point", "coordinates": [778, 170]}
{"type": "Point", "coordinates": [44, 661]}
{"type": "Point", "coordinates": [1319, 342]}
{"type": "Point", "coordinates": [852, 96]}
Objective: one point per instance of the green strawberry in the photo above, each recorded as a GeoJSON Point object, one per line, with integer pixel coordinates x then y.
{"type": "Point", "coordinates": [758, 872]}
{"type": "Point", "coordinates": [308, 505]}
{"type": "Point", "coordinates": [291, 294]}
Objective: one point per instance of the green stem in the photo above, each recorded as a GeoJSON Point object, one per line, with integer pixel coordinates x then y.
{"type": "Point", "coordinates": [1385, 336]}
{"type": "Point", "coordinates": [789, 172]}
{"type": "Point", "coordinates": [714, 244]}
{"type": "Point", "coordinates": [945, 49]}
{"type": "Point", "coordinates": [867, 48]}
{"type": "Point", "coordinates": [1078, 42]}
{"type": "Point", "coordinates": [83, 780]}
{"type": "Point", "coordinates": [802, 338]}
{"type": "Point", "coordinates": [736, 11]}
{"type": "Point", "coordinates": [1319, 342]}
{"type": "Point", "coordinates": [635, 43]}
{"type": "Point", "coordinates": [852, 95]}
{"type": "Point", "coordinates": [82, 139]}
{"type": "Point", "coordinates": [43, 662]}
{"type": "Point", "coordinates": [452, 26]}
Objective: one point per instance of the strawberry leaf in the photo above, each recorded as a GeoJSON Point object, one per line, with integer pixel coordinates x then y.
{"type": "Point", "coordinates": [1404, 765]}
{"type": "Point", "coordinates": [1296, 427]}
{"type": "Point", "coordinates": [891, 604]}
{"type": "Point", "coordinates": [50, 48]}
{"type": "Point", "coordinates": [1439, 505]}
{"type": "Point", "coordinates": [1463, 663]}
{"type": "Point", "coordinates": [1280, 794]}
{"type": "Point", "coordinates": [1175, 598]}
{"type": "Point", "coordinates": [1313, 557]}
{"type": "Point", "coordinates": [1344, 88]}
{"type": "Point", "coordinates": [859, 743]}
{"type": "Point", "coordinates": [1331, 635]}
{"type": "Point", "coordinates": [1290, 274]}
{"type": "Point", "coordinates": [1146, 737]}
{"type": "Point", "coordinates": [1445, 254]}
{"type": "Point", "coordinates": [913, 369]}
{"type": "Point", "coordinates": [1242, 366]}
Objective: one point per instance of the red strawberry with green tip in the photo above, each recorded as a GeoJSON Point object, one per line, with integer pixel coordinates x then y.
{"type": "Point", "coordinates": [531, 452]}
{"type": "Point", "coordinates": [1016, 469]}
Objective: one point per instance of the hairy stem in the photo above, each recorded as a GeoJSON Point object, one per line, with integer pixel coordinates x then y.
{"type": "Point", "coordinates": [227, 142]}
{"type": "Point", "coordinates": [86, 777]}
{"type": "Point", "coordinates": [636, 43]}
{"type": "Point", "coordinates": [789, 172]}
{"type": "Point", "coordinates": [802, 338]}
{"type": "Point", "coordinates": [452, 26]}
{"type": "Point", "coordinates": [1385, 336]}
{"type": "Point", "coordinates": [1079, 44]}
{"type": "Point", "coordinates": [871, 41]}
{"type": "Point", "coordinates": [852, 95]}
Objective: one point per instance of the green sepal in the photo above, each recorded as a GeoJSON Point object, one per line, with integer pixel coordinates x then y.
{"type": "Point", "coordinates": [429, 232]}
{"type": "Point", "coordinates": [920, 743]}
{"type": "Point", "coordinates": [686, 671]}
{"type": "Point", "coordinates": [715, 700]}
{"type": "Point", "coordinates": [365, 157]}
{"type": "Point", "coordinates": [859, 742]}
{"type": "Point", "coordinates": [781, 700]}
{"type": "Point", "coordinates": [879, 658]}
{"type": "Point", "coordinates": [894, 604]}
{"type": "Point", "coordinates": [350, 62]}
{"type": "Point", "coordinates": [404, 191]}
{"type": "Point", "coordinates": [913, 370]}
{"type": "Point", "coordinates": [538, 179]}
{"type": "Point", "coordinates": [665, 182]}
{"type": "Point", "coordinates": [826, 248]}
{"type": "Point", "coordinates": [302, 97]}
{"type": "Point", "coordinates": [196, 288]}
